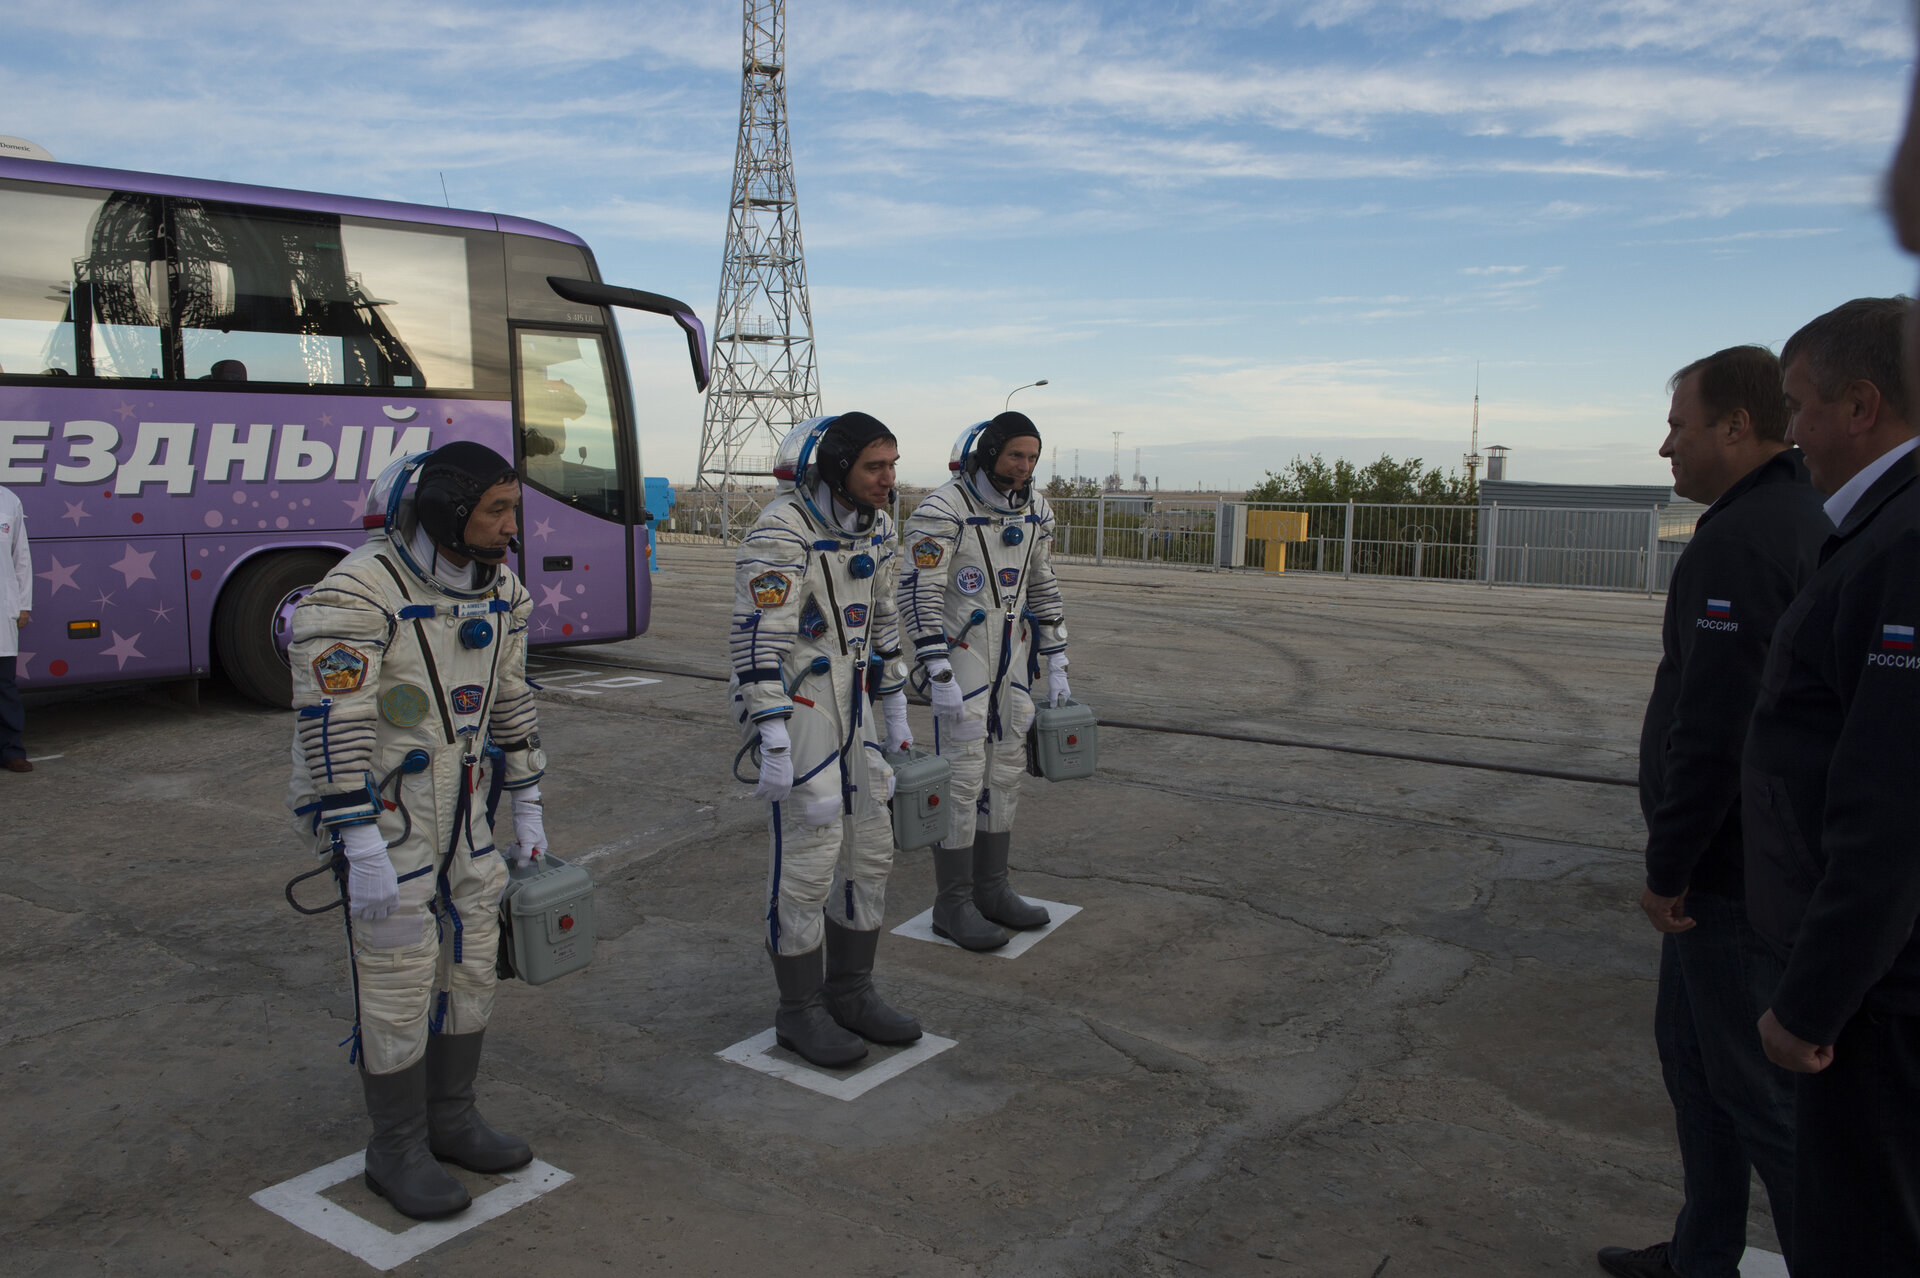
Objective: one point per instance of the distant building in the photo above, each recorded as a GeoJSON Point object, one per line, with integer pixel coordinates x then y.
{"type": "Point", "coordinates": [1587, 535]}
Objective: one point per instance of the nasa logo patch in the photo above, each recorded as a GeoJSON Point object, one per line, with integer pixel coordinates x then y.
{"type": "Point", "coordinates": [467, 698]}
{"type": "Point", "coordinates": [813, 623]}
{"type": "Point", "coordinates": [856, 616]}
{"type": "Point", "coordinates": [404, 705]}
{"type": "Point", "coordinates": [1009, 578]}
{"type": "Point", "coordinates": [770, 589]}
{"type": "Point", "coordinates": [926, 553]}
{"type": "Point", "coordinates": [970, 580]}
{"type": "Point", "coordinates": [341, 668]}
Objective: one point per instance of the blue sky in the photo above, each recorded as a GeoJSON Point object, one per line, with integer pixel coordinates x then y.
{"type": "Point", "coordinates": [1234, 230]}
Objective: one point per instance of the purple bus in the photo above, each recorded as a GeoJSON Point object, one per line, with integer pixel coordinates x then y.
{"type": "Point", "coordinates": [199, 381]}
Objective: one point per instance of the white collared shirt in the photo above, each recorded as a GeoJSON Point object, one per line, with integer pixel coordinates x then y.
{"type": "Point", "coordinates": [1841, 504]}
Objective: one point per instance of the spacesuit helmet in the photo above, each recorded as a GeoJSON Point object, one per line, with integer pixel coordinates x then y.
{"type": "Point", "coordinates": [434, 492]}
{"type": "Point", "coordinates": [824, 450]}
{"type": "Point", "coordinates": [979, 447]}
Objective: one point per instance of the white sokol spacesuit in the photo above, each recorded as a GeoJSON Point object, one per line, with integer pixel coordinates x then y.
{"type": "Point", "coordinates": [981, 604]}
{"type": "Point", "coordinates": [814, 641]}
{"type": "Point", "coordinates": [413, 719]}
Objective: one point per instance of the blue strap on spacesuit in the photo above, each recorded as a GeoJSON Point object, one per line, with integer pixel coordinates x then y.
{"type": "Point", "coordinates": [773, 898]}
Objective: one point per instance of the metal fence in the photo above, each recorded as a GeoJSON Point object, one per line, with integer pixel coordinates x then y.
{"type": "Point", "coordinates": [1630, 550]}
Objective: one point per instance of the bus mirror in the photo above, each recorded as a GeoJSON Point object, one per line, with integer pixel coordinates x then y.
{"type": "Point", "coordinates": [589, 293]}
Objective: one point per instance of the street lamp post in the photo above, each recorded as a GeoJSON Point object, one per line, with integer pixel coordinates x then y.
{"type": "Point", "coordinates": [1016, 390]}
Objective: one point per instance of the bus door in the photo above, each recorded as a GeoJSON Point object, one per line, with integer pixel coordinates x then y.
{"type": "Point", "coordinates": [576, 511]}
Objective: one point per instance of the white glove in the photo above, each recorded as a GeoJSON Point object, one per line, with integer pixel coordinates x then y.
{"type": "Point", "coordinates": [1057, 690]}
{"type": "Point", "coordinates": [894, 706]}
{"type": "Point", "coordinates": [776, 761]}
{"type": "Point", "coordinates": [373, 889]}
{"type": "Point", "coordinates": [945, 693]}
{"type": "Point", "coordinates": [529, 827]}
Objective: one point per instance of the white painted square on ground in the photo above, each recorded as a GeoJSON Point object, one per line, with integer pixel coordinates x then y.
{"type": "Point", "coordinates": [920, 928]}
{"type": "Point", "coordinates": [301, 1202]}
{"type": "Point", "coordinates": [761, 1053]}
{"type": "Point", "coordinates": [1762, 1264]}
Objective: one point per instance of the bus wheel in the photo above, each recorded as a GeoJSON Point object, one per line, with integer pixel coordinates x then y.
{"type": "Point", "coordinates": [254, 622]}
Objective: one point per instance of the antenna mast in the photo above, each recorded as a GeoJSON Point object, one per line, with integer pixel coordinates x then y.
{"type": "Point", "coordinates": [764, 378]}
{"type": "Point", "coordinates": [1473, 459]}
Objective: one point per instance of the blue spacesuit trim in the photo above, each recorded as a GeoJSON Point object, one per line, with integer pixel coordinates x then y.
{"type": "Point", "coordinates": [849, 900]}
{"type": "Point", "coordinates": [978, 519]}
{"type": "Point", "coordinates": [773, 899]}
{"type": "Point", "coordinates": [816, 771]}
{"type": "Point", "coordinates": [415, 612]}
{"type": "Point", "coordinates": [477, 854]}
{"type": "Point", "coordinates": [414, 874]}
{"type": "Point", "coordinates": [439, 1018]}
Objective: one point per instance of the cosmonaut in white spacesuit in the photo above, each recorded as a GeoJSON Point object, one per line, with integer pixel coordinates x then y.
{"type": "Point", "coordinates": [413, 715]}
{"type": "Point", "coordinates": [979, 600]}
{"type": "Point", "coordinates": [814, 641]}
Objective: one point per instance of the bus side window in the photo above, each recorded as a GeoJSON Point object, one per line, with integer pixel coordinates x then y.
{"type": "Point", "coordinates": [566, 420]}
{"type": "Point", "coordinates": [83, 284]}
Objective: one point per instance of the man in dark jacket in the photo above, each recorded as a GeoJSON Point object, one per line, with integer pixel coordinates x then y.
{"type": "Point", "coordinates": [1830, 788]}
{"type": "Point", "coordinates": [1752, 550]}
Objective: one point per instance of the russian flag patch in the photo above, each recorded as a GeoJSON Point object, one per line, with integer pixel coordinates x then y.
{"type": "Point", "coordinates": [1721, 608]}
{"type": "Point", "coordinates": [1896, 638]}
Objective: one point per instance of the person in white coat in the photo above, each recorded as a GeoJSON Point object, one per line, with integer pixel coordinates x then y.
{"type": "Point", "coordinates": [814, 642]}
{"type": "Point", "coordinates": [16, 610]}
{"type": "Point", "coordinates": [413, 719]}
{"type": "Point", "coordinates": [981, 603]}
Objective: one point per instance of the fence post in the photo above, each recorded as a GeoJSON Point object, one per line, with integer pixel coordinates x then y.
{"type": "Point", "coordinates": [1491, 566]}
{"type": "Point", "coordinates": [1220, 557]}
{"type": "Point", "coordinates": [1653, 546]}
{"type": "Point", "coordinates": [1419, 549]}
{"type": "Point", "coordinates": [1100, 531]}
{"type": "Point", "coordinates": [1346, 552]}
{"type": "Point", "coordinates": [726, 514]}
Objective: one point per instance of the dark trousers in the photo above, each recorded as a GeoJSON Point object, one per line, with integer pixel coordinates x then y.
{"type": "Point", "coordinates": [13, 716]}
{"type": "Point", "coordinates": [1733, 1109]}
{"type": "Point", "coordinates": [1857, 1191]}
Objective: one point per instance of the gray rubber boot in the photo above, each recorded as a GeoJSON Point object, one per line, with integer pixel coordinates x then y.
{"type": "Point", "coordinates": [802, 1025]}
{"type": "Point", "coordinates": [992, 894]}
{"type": "Point", "coordinates": [954, 914]}
{"type": "Point", "coordinates": [455, 1130]}
{"type": "Point", "coordinates": [400, 1167]}
{"type": "Point", "coordinates": [849, 993]}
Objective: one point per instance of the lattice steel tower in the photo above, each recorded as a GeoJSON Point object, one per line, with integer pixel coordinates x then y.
{"type": "Point", "coordinates": [764, 378]}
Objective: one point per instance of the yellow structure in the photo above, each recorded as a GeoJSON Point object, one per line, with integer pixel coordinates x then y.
{"type": "Point", "coordinates": [1276, 528]}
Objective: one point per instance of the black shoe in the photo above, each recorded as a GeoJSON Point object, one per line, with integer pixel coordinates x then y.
{"type": "Point", "coordinates": [801, 1023]}
{"type": "Point", "coordinates": [1648, 1262]}
{"type": "Point", "coordinates": [993, 896]}
{"type": "Point", "coordinates": [400, 1168]}
{"type": "Point", "coordinates": [955, 916]}
{"type": "Point", "coordinates": [455, 1130]}
{"type": "Point", "coordinates": [849, 993]}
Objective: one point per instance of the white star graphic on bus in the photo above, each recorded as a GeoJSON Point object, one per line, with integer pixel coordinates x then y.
{"type": "Point", "coordinates": [76, 511]}
{"type": "Point", "coordinates": [103, 600]}
{"type": "Point", "coordinates": [20, 666]}
{"type": "Point", "coordinates": [161, 613]}
{"type": "Point", "coordinates": [61, 574]}
{"type": "Point", "coordinates": [542, 625]}
{"type": "Point", "coordinates": [543, 530]}
{"type": "Point", "coordinates": [123, 648]}
{"type": "Point", "coordinates": [554, 597]}
{"type": "Point", "coordinates": [357, 505]}
{"type": "Point", "coordinates": [126, 411]}
{"type": "Point", "coordinates": [136, 565]}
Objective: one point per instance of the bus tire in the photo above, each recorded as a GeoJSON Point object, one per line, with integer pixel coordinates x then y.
{"type": "Point", "coordinates": [250, 611]}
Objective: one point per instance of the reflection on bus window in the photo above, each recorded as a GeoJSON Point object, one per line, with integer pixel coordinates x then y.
{"type": "Point", "coordinates": [566, 419]}
{"type": "Point", "coordinates": [83, 284]}
{"type": "Point", "coordinates": [99, 284]}
{"type": "Point", "coordinates": [317, 299]}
